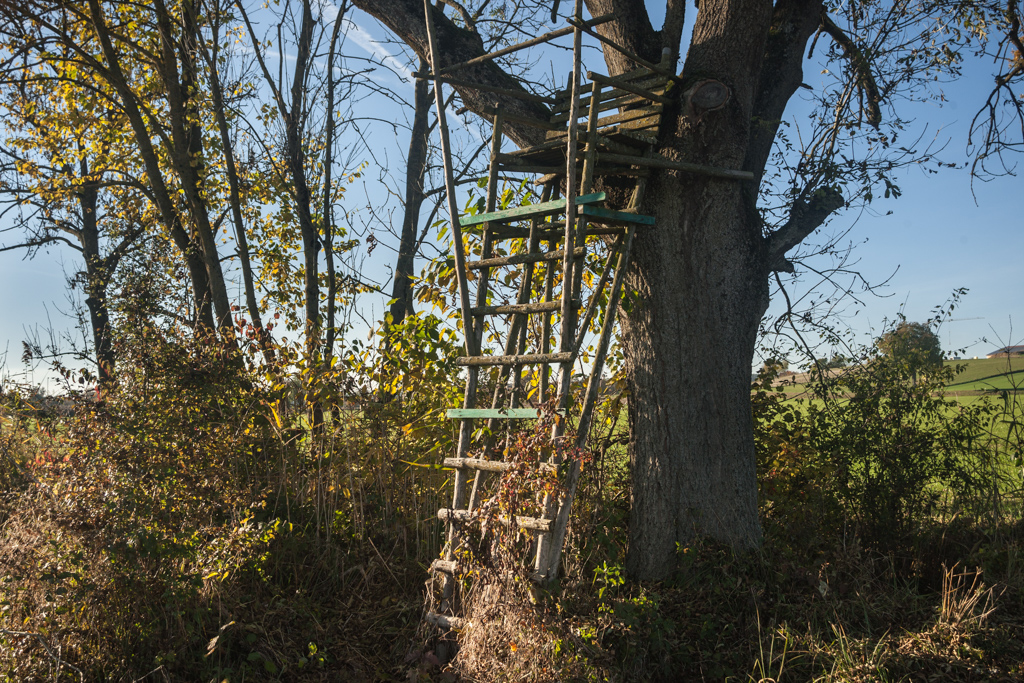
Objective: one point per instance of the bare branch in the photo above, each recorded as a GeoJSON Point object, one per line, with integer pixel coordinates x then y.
{"type": "Point", "coordinates": [861, 66]}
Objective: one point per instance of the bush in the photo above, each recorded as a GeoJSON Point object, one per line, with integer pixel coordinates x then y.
{"type": "Point", "coordinates": [878, 448]}
{"type": "Point", "coordinates": [192, 524]}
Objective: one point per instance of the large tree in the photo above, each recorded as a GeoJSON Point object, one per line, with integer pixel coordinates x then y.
{"type": "Point", "coordinates": [702, 274]}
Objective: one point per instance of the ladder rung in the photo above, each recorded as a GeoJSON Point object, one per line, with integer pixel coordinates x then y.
{"type": "Point", "coordinates": [534, 523]}
{"type": "Point", "coordinates": [531, 523]}
{"type": "Point", "coordinates": [529, 168]}
{"type": "Point", "coordinates": [489, 413]}
{"type": "Point", "coordinates": [528, 359]}
{"type": "Point", "coordinates": [599, 171]}
{"type": "Point", "coordinates": [522, 258]}
{"type": "Point", "coordinates": [490, 465]}
{"type": "Point", "coordinates": [540, 307]}
{"type": "Point", "coordinates": [599, 214]}
{"type": "Point", "coordinates": [532, 210]}
{"type": "Point", "coordinates": [446, 566]}
{"type": "Point", "coordinates": [444, 621]}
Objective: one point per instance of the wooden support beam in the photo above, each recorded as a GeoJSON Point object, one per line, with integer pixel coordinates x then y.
{"type": "Point", "coordinates": [610, 99]}
{"type": "Point", "coordinates": [551, 35]}
{"type": "Point", "coordinates": [623, 100]}
{"type": "Point", "coordinates": [628, 87]}
{"type": "Point", "coordinates": [662, 162]}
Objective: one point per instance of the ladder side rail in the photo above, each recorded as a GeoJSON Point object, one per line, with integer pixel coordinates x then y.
{"type": "Point", "coordinates": [572, 279]}
{"type": "Point", "coordinates": [465, 426]}
{"type": "Point", "coordinates": [549, 569]}
{"type": "Point", "coordinates": [545, 333]}
{"type": "Point", "coordinates": [613, 252]}
{"type": "Point", "coordinates": [570, 188]}
{"type": "Point", "coordinates": [569, 264]}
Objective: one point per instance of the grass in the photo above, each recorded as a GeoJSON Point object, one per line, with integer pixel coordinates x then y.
{"type": "Point", "coordinates": [986, 368]}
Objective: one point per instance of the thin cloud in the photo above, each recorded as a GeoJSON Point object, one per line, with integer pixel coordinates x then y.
{"type": "Point", "coordinates": [363, 39]}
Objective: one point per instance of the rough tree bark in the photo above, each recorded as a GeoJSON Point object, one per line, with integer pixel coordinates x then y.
{"type": "Point", "coordinates": [701, 275]}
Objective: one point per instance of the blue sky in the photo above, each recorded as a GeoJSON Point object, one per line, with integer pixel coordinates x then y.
{"type": "Point", "coordinates": [939, 237]}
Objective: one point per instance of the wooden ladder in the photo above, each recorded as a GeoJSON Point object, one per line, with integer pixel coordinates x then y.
{"type": "Point", "coordinates": [551, 240]}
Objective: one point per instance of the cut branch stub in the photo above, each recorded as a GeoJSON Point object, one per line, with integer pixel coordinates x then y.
{"type": "Point", "coordinates": [705, 96]}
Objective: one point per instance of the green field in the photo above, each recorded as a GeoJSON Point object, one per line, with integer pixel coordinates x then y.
{"type": "Point", "coordinates": [976, 376]}
{"type": "Point", "coordinates": [989, 374]}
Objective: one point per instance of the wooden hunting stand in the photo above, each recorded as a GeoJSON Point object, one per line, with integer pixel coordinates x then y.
{"type": "Point", "coordinates": [606, 127]}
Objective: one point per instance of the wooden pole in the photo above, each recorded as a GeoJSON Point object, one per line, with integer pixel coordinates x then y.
{"type": "Point", "coordinates": [525, 44]}
{"type": "Point", "coordinates": [465, 426]}
{"type": "Point", "coordinates": [568, 334]}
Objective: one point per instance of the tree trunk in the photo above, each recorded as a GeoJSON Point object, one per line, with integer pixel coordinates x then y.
{"type": "Point", "coordinates": [415, 168]}
{"type": "Point", "coordinates": [701, 285]}
{"type": "Point", "coordinates": [97, 277]}
{"type": "Point", "coordinates": [688, 338]}
{"type": "Point", "coordinates": [178, 72]}
{"type": "Point", "coordinates": [234, 184]}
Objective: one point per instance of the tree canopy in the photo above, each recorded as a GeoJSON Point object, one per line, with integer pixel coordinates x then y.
{"type": "Point", "coordinates": [914, 344]}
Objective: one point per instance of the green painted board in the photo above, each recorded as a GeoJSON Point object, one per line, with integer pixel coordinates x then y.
{"type": "Point", "coordinates": [521, 212]}
{"type": "Point", "coordinates": [617, 216]}
{"type": "Point", "coordinates": [499, 413]}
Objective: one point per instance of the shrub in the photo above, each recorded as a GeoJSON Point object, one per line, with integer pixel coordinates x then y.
{"type": "Point", "coordinates": [878, 447]}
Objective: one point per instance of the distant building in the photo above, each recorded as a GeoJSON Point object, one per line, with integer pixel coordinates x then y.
{"type": "Point", "coordinates": [1007, 351]}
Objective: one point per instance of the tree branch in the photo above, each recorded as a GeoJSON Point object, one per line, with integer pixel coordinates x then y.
{"type": "Point", "coordinates": [804, 218]}
{"type": "Point", "coordinates": [632, 30]}
{"type": "Point", "coordinates": [455, 45]}
{"type": "Point", "coordinates": [793, 23]}
{"type": "Point", "coordinates": [860, 65]}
